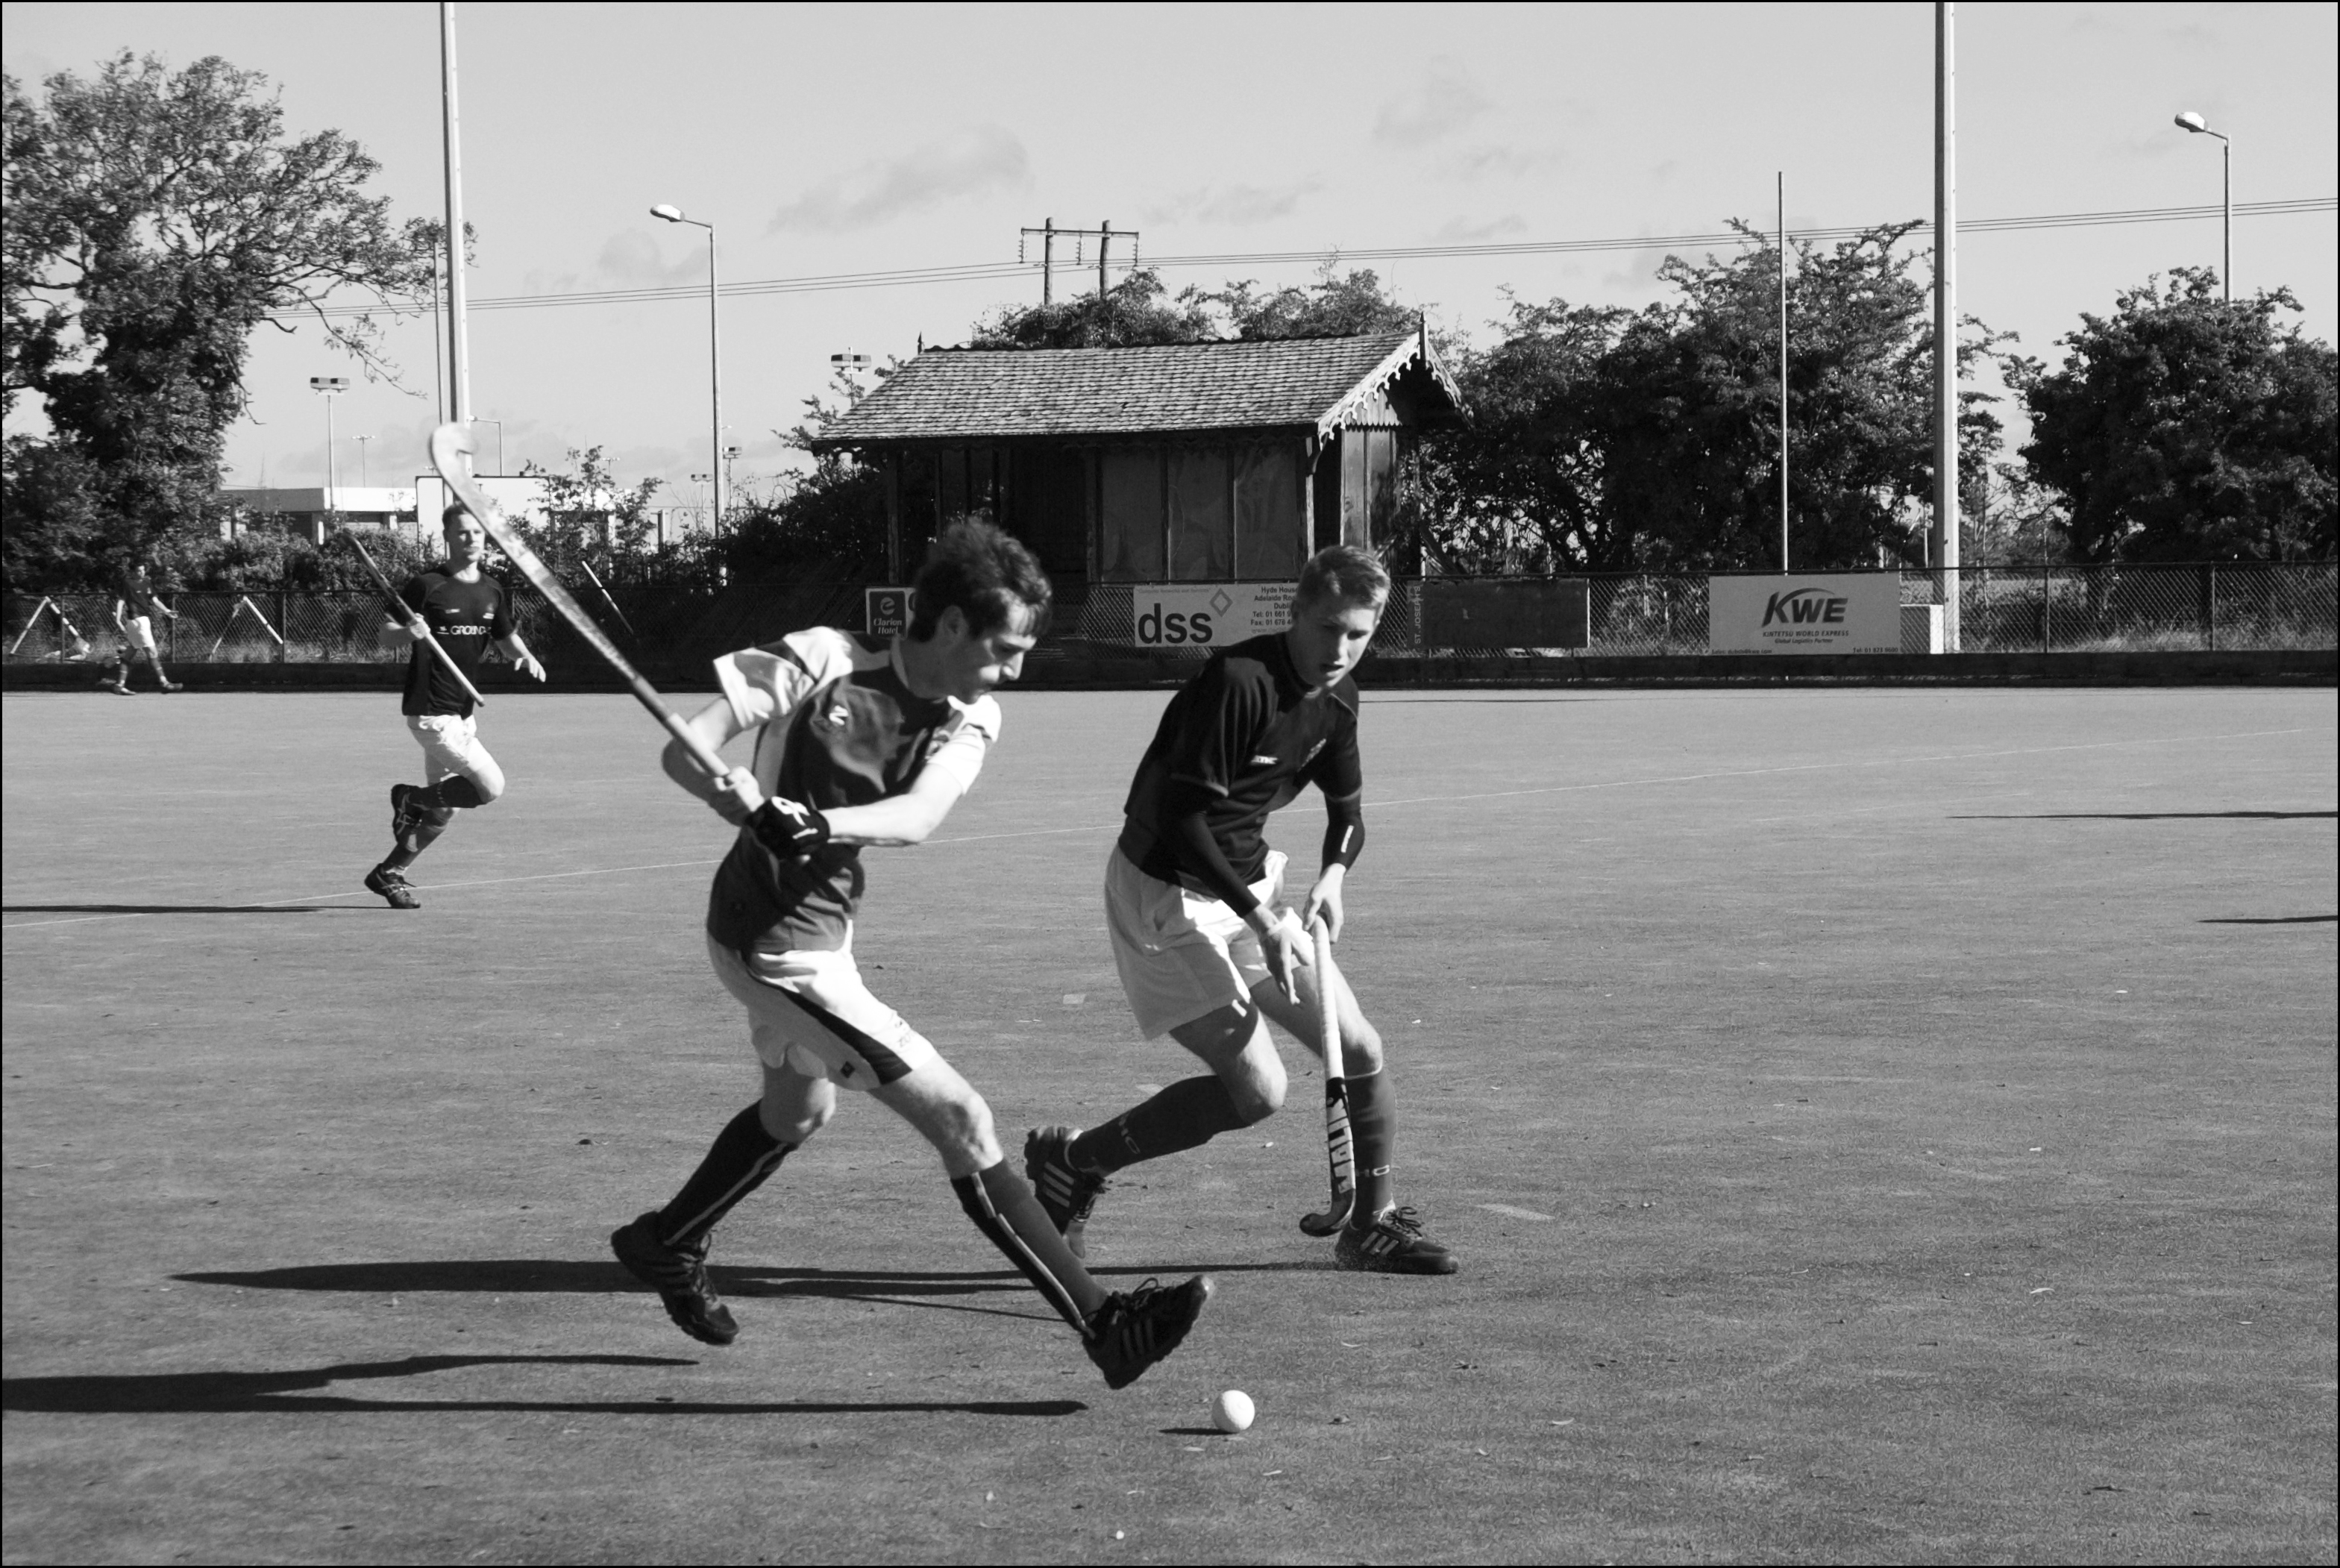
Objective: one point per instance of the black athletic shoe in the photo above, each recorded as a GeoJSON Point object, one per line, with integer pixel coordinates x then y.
{"type": "Point", "coordinates": [679, 1274]}
{"type": "Point", "coordinates": [406, 817]}
{"type": "Point", "coordinates": [119, 688]}
{"type": "Point", "coordinates": [1066, 1192]}
{"type": "Point", "coordinates": [391, 884]}
{"type": "Point", "coordinates": [168, 686]}
{"type": "Point", "coordinates": [1135, 1329]}
{"type": "Point", "coordinates": [1392, 1242]}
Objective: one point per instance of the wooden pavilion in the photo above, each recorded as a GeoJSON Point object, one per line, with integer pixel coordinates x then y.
{"type": "Point", "coordinates": [1191, 463]}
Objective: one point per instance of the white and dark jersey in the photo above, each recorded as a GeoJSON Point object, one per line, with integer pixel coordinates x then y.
{"type": "Point", "coordinates": [1242, 739]}
{"type": "Point", "coordinates": [464, 618]}
{"type": "Point", "coordinates": [839, 726]}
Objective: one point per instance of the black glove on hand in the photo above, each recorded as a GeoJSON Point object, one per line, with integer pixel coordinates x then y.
{"type": "Point", "coordinates": [789, 828]}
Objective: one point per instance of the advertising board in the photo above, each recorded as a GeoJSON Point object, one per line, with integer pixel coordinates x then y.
{"type": "Point", "coordinates": [1851, 612]}
{"type": "Point", "coordinates": [1206, 614]}
{"type": "Point", "coordinates": [889, 610]}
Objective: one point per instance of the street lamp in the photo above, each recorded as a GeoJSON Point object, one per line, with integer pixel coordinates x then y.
{"type": "Point", "coordinates": [2190, 120]}
{"type": "Point", "coordinates": [673, 214]}
{"type": "Point", "coordinates": [361, 460]}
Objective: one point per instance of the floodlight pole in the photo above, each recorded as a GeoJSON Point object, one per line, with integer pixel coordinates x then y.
{"type": "Point", "coordinates": [1946, 319]}
{"type": "Point", "coordinates": [1783, 372]}
{"type": "Point", "coordinates": [458, 358]}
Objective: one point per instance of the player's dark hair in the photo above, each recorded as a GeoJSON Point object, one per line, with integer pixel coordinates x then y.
{"type": "Point", "coordinates": [447, 518]}
{"type": "Point", "coordinates": [986, 573]}
{"type": "Point", "coordinates": [1348, 572]}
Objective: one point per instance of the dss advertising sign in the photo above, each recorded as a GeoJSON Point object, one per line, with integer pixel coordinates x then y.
{"type": "Point", "coordinates": [1857, 612]}
{"type": "Point", "coordinates": [1206, 614]}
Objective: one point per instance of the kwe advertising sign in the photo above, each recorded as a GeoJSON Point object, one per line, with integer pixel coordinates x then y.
{"type": "Point", "coordinates": [1206, 614]}
{"type": "Point", "coordinates": [1854, 613]}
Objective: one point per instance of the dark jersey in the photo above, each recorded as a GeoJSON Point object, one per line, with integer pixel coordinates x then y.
{"type": "Point", "coordinates": [1249, 735]}
{"type": "Point", "coordinates": [839, 726]}
{"type": "Point", "coordinates": [465, 617]}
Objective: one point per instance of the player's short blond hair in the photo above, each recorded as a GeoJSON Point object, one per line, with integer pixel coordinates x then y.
{"type": "Point", "coordinates": [1347, 572]}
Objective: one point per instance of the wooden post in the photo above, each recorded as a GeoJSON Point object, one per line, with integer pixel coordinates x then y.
{"type": "Point", "coordinates": [894, 517]}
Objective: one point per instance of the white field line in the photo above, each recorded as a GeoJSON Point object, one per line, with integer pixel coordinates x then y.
{"type": "Point", "coordinates": [1411, 800]}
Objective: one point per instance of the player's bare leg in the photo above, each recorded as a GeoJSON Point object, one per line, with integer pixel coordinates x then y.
{"type": "Point", "coordinates": [1382, 1237]}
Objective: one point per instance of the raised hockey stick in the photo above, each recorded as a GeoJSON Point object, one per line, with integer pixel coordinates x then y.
{"type": "Point", "coordinates": [451, 451]}
{"type": "Point", "coordinates": [407, 613]}
{"type": "Point", "coordinates": [1340, 1152]}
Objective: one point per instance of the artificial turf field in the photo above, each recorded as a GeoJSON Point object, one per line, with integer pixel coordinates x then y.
{"type": "Point", "coordinates": [1875, 1125]}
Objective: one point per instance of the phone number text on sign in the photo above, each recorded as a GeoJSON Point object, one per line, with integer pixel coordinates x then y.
{"type": "Point", "coordinates": [1206, 614]}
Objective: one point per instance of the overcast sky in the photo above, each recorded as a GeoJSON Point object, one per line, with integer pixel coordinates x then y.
{"type": "Point", "coordinates": [841, 139]}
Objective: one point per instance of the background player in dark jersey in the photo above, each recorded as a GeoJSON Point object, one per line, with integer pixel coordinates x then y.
{"type": "Point", "coordinates": [1208, 949]}
{"type": "Point", "coordinates": [463, 607]}
{"type": "Point", "coordinates": [866, 741]}
{"type": "Point", "coordinates": [136, 605]}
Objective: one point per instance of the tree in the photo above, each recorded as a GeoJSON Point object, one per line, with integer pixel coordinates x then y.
{"type": "Point", "coordinates": [153, 220]}
{"type": "Point", "coordinates": [2186, 428]}
{"type": "Point", "coordinates": [1332, 307]}
{"type": "Point", "coordinates": [586, 513]}
{"type": "Point", "coordinates": [1134, 313]}
{"type": "Point", "coordinates": [1607, 439]}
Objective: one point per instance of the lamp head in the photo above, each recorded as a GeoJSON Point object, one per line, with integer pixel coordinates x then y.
{"type": "Point", "coordinates": [673, 214]}
{"type": "Point", "coordinates": [2192, 122]}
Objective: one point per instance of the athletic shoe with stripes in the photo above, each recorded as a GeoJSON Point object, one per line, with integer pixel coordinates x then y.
{"type": "Point", "coordinates": [1064, 1190]}
{"type": "Point", "coordinates": [1134, 1329]}
{"type": "Point", "coordinates": [1392, 1242]}
{"type": "Point", "coordinates": [679, 1274]}
{"type": "Point", "coordinates": [391, 884]}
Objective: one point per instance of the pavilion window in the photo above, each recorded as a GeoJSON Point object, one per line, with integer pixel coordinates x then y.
{"type": "Point", "coordinates": [1202, 516]}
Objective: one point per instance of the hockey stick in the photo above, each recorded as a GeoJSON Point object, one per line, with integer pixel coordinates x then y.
{"type": "Point", "coordinates": [595, 578]}
{"type": "Point", "coordinates": [414, 617]}
{"type": "Point", "coordinates": [1340, 1152]}
{"type": "Point", "coordinates": [35, 619]}
{"type": "Point", "coordinates": [451, 451]}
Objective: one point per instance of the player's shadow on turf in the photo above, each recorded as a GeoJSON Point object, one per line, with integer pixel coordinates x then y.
{"type": "Point", "coordinates": [2275, 920]}
{"type": "Point", "coordinates": [170, 909]}
{"type": "Point", "coordinates": [253, 1393]}
{"type": "Point", "coordinates": [2141, 816]}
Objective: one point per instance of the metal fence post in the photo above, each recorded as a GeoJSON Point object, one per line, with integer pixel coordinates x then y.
{"type": "Point", "coordinates": [283, 627]}
{"type": "Point", "coordinates": [2046, 606]}
{"type": "Point", "coordinates": [2210, 607]}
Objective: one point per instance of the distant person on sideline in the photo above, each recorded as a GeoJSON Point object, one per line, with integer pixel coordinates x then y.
{"type": "Point", "coordinates": [136, 605]}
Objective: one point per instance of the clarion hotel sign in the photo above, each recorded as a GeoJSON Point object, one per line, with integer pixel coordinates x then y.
{"type": "Point", "coordinates": [1851, 612]}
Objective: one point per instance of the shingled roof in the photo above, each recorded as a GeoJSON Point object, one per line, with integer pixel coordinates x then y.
{"type": "Point", "coordinates": [964, 395]}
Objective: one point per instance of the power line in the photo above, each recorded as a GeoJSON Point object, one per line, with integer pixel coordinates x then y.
{"type": "Point", "coordinates": [977, 272]}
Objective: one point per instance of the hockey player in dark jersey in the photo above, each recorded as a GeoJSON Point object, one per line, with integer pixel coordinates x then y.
{"type": "Point", "coordinates": [1208, 949]}
{"type": "Point", "coordinates": [463, 607]}
{"type": "Point", "coordinates": [866, 741]}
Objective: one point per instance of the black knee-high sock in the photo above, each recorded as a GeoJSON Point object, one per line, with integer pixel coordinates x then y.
{"type": "Point", "coordinates": [1002, 1206]}
{"type": "Point", "coordinates": [453, 791]}
{"type": "Point", "coordinates": [1187, 1114]}
{"type": "Point", "coordinates": [742, 1157]}
{"type": "Point", "coordinates": [1373, 1123]}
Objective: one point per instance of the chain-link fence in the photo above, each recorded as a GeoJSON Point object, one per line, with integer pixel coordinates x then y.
{"type": "Point", "coordinates": [2001, 610]}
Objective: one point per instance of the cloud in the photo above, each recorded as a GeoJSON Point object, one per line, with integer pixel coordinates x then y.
{"type": "Point", "coordinates": [1462, 229]}
{"type": "Point", "coordinates": [1236, 205]}
{"type": "Point", "coordinates": [1476, 162]}
{"type": "Point", "coordinates": [633, 258]}
{"type": "Point", "coordinates": [1446, 101]}
{"type": "Point", "coordinates": [983, 159]}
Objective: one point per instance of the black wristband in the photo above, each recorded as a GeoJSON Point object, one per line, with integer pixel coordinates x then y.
{"type": "Point", "coordinates": [789, 828]}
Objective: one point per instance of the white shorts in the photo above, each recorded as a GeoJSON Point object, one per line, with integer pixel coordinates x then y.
{"type": "Point", "coordinates": [809, 1011]}
{"type": "Point", "coordinates": [138, 631]}
{"type": "Point", "coordinates": [452, 745]}
{"type": "Point", "coordinates": [1181, 953]}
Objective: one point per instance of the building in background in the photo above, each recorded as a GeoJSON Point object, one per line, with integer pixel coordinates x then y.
{"type": "Point", "coordinates": [1192, 462]}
